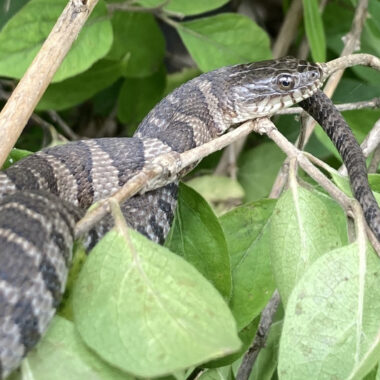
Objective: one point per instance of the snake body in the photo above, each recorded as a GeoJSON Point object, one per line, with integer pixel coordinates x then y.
{"type": "Point", "coordinates": [43, 195]}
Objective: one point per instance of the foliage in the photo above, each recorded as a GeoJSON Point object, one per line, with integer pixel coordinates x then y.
{"type": "Point", "coordinates": [142, 310]}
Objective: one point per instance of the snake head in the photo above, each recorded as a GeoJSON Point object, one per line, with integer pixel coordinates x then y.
{"type": "Point", "coordinates": [261, 88]}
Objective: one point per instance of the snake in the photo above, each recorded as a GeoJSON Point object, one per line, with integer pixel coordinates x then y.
{"type": "Point", "coordinates": [43, 195]}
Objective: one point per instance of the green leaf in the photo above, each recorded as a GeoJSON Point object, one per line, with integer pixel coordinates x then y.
{"type": "Point", "coordinates": [224, 39]}
{"type": "Point", "coordinates": [186, 7]}
{"type": "Point", "coordinates": [14, 156]}
{"type": "Point", "coordinates": [81, 87]}
{"type": "Point", "coordinates": [22, 37]}
{"type": "Point", "coordinates": [303, 227]}
{"type": "Point", "coordinates": [249, 248]}
{"type": "Point", "coordinates": [197, 235]}
{"type": "Point", "coordinates": [138, 96]}
{"type": "Point", "coordinates": [332, 327]}
{"type": "Point", "coordinates": [147, 311]}
{"type": "Point", "coordinates": [62, 355]}
{"type": "Point", "coordinates": [139, 41]}
{"type": "Point", "coordinates": [314, 30]}
{"type": "Point", "coordinates": [258, 168]}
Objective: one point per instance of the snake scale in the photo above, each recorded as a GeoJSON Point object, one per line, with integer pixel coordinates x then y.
{"type": "Point", "coordinates": [43, 195]}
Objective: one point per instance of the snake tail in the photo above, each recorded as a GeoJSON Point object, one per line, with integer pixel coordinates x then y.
{"type": "Point", "coordinates": [322, 109]}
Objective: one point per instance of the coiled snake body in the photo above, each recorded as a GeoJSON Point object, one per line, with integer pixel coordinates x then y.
{"type": "Point", "coordinates": [42, 196]}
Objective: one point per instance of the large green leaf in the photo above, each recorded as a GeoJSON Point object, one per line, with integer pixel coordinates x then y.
{"type": "Point", "coordinates": [139, 41]}
{"type": "Point", "coordinates": [314, 30]}
{"type": "Point", "coordinates": [249, 248]}
{"type": "Point", "coordinates": [186, 7]}
{"type": "Point", "coordinates": [22, 37]}
{"type": "Point", "coordinates": [62, 355]}
{"type": "Point", "coordinates": [224, 39]}
{"type": "Point", "coordinates": [303, 227]}
{"type": "Point", "coordinates": [197, 235]}
{"type": "Point", "coordinates": [332, 326]}
{"type": "Point", "coordinates": [147, 311]}
{"type": "Point", "coordinates": [77, 89]}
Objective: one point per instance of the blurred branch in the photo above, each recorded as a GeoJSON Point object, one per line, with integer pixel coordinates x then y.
{"type": "Point", "coordinates": [288, 29]}
{"type": "Point", "coordinates": [33, 84]}
{"type": "Point", "coordinates": [63, 125]}
{"type": "Point", "coordinates": [366, 104]}
{"type": "Point", "coordinates": [5, 95]}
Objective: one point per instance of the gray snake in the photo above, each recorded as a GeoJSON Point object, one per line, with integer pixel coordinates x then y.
{"type": "Point", "coordinates": [43, 195]}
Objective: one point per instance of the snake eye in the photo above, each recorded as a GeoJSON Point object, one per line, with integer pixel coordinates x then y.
{"type": "Point", "coordinates": [285, 82]}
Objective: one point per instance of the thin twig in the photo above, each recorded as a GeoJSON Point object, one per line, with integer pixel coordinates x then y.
{"type": "Point", "coordinates": [370, 144]}
{"type": "Point", "coordinates": [33, 84]}
{"type": "Point", "coordinates": [63, 125]}
{"type": "Point", "coordinates": [260, 339]}
{"type": "Point", "coordinates": [288, 29]}
{"type": "Point", "coordinates": [366, 104]}
{"type": "Point", "coordinates": [372, 140]}
{"type": "Point", "coordinates": [374, 164]}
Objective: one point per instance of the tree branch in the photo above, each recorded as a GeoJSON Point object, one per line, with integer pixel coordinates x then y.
{"type": "Point", "coordinates": [260, 339]}
{"type": "Point", "coordinates": [33, 84]}
{"type": "Point", "coordinates": [370, 104]}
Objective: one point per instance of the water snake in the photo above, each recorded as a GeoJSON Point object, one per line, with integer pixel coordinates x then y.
{"type": "Point", "coordinates": [43, 195]}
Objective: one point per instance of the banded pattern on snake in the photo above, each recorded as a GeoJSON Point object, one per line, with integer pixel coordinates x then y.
{"type": "Point", "coordinates": [42, 196]}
